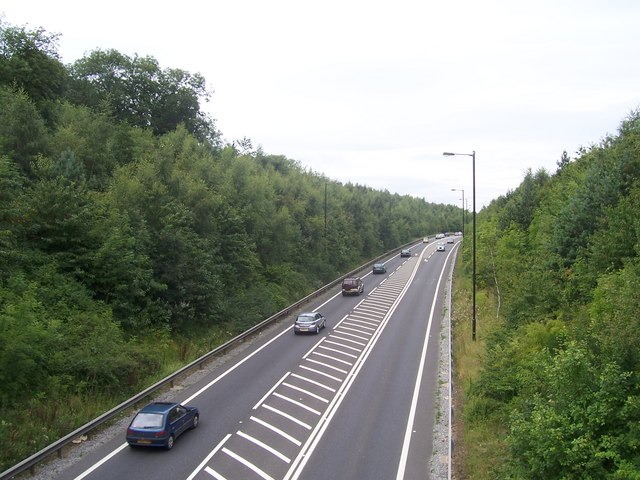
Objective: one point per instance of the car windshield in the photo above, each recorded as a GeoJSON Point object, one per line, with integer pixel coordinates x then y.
{"type": "Point", "coordinates": [147, 420]}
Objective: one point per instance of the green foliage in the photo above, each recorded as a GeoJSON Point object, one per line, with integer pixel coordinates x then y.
{"type": "Point", "coordinates": [139, 92]}
{"type": "Point", "coordinates": [561, 256]}
{"type": "Point", "coordinates": [25, 344]}
{"type": "Point", "coordinates": [29, 62]}
{"type": "Point", "coordinates": [23, 135]}
{"type": "Point", "coordinates": [576, 421]}
{"type": "Point", "coordinates": [615, 316]}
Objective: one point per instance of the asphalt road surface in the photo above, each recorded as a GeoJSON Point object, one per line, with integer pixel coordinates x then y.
{"type": "Point", "coordinates": [354, 402]}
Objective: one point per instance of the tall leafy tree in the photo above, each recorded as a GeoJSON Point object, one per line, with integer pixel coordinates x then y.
{"type": "Point", "coordinates": [23, 133]}
{"type": "Point", "coordinates": [29, 61]}
{"type": "Point", "coordinates": [139, 92]}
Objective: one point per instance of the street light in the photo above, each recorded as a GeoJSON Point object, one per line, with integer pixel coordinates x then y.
{"type": "Point", "coordinates": [461, 190]}
{"type": "Point", "coordinates": [473, 313]}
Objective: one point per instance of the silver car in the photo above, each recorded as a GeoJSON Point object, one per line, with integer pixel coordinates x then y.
{"type": "Point", "coordinates": [309, 322]}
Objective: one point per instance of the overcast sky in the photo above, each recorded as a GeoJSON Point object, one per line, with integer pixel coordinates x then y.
{"type": "Point", "coordinates": [373, 92]}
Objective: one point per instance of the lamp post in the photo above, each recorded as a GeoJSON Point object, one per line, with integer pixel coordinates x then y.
{"type": "Point", "coordinates": [461, 190]}
{"type": "Point", "coordinates": [473, 165]}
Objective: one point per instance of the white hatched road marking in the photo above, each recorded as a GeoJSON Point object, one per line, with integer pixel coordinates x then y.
{"type": "Point", "coordinates": [269, 449]}
{"type": "Point", "coordinates": [342, 328]}
{"type": "Point", "coordinates": [359, 326]}
{"type": "Point", "coordinates": [336, 335]}
{"type": "Point", "coordinates": [343, 345]}
{"type": "Point", "coordinates": [321, 385]}
{"type": "Point", "coordinates": [331, 357]}
{"type": "Point", "coordinates": [337, 351]}
{"type": "Point", "coordinates": [379, 310]}
{"type": "Point", "coordinates": [247, 463]}
{"type": "Point", "coordinates": [295, 402]}
{"type": "Point", "coordinates": [270, 391]}
{"type": "Point", "coordinates": [321, 373]}
{"type": "Point", "coordinates": [306, 392]}
{"type": "Point", "coordinates": [208, 457]}
{"type": "Point", "coordinates": [364, 319]}
{"type": "Point", "coordinates": [328, 366]}
{"type": "Point", "coordinates": [214, 474]}
{"type": "Point", "coordinates": [286, 415]}
{"type": "Point", "coordinates": [277, 430]}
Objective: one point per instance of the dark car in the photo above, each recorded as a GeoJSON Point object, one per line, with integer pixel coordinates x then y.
{"type": "Point", "coordinates": [159, 424]}
{"type": "Point", "coordinates": [405, 253]}
{"type": "Point", "coordinates": [379, 268]}
{"type": "Point", "coordinates": [309, 322]}
{"type": "Point", "coordinates": [352, 286]}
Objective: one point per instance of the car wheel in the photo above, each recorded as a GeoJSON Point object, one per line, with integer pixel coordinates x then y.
{"type": "Point", "coordinates": [196, 420]}
{"type": "Point", "coordinates": [170, 441]}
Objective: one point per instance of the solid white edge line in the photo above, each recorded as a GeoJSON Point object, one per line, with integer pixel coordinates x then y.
{"type": "Point", "coordinates": [450, 352]}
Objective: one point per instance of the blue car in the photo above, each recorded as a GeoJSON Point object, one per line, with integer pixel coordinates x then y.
{"type": "Point", "coordinates": [159, 424]}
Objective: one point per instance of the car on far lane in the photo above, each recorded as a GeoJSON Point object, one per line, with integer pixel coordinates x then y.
{"type": "Point", "coordinates": [405, 253]}
{"type": "Point", "coordinates": [159, 424]}
{"type": "Point", "coordinates": [309, 322]}
{"type": "Point", "coordinates": [440, 247]}
{"type": "Point", "coordinates": [449, 240]}
{"type": "Point", "coordinates": [379, 268]}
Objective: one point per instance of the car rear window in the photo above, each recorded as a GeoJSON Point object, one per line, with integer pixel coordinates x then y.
{"type": "Point", "coordinates": [147, 420]}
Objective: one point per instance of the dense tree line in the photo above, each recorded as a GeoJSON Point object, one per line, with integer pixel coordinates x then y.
{"type": "Point", "coordinates": [129, 230]}
{"type": "Point", "coordinates": [561, 375]}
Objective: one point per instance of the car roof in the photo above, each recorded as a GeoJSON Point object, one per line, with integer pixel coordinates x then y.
{"type": "Point", "coordinates": [158, 407]}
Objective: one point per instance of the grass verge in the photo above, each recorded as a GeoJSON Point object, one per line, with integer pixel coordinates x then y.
{"type": "Point", "coordinates": [478, 439]}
